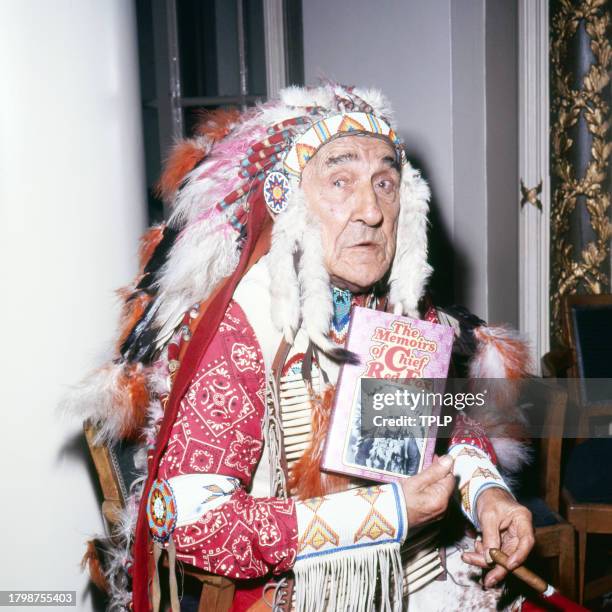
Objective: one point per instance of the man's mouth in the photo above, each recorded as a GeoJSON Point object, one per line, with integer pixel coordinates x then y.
{"type": "Point", "coordinates": [366, 244]}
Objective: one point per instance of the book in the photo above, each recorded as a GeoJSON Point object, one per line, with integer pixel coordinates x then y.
{"type": "Point", "coordinates": [400, 353]}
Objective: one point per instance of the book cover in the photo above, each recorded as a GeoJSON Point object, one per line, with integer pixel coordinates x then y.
{"type": "Point", "coordinates": [401, 352]}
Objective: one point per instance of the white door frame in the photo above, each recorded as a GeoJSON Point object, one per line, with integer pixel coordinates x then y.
{"type": "Point", "coordinates": [534, 222]}
{"type": "Point", "coordinates": [274, 29]}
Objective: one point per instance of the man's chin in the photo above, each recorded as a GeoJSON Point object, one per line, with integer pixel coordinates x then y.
{"type": "Point", "coordinates": [354, 281]}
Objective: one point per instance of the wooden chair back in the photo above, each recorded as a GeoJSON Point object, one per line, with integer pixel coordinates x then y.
{"type": "Point", "coordinates": [553, 398]}
{"type": "Point", "coordinates": [116, 472]}
{"type": "Point", "coordinates": [588, 331]}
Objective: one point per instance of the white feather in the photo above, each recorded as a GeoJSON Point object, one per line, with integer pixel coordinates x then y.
{"type": "Point", "coordinates": [102, 400]}
{"type": "Point", "coordinates": [198, 261]}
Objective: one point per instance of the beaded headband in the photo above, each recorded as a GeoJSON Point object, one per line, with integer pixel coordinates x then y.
{"type": "Point", "coordinates": [326, 129]}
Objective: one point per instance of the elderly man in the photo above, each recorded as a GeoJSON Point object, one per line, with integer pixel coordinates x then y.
{"type": "Point", "coordinates": [284, 218]}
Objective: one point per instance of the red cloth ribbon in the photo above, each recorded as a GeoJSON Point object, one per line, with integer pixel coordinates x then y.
{"type": "Point", "coordinates": [197, 346]}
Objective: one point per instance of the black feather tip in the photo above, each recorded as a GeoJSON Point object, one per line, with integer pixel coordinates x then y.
{"type": "Point", "coordinates": [343, 356]}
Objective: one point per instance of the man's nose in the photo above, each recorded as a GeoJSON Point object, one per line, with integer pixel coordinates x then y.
{"type": "Point", "coordinates": [367, 208]}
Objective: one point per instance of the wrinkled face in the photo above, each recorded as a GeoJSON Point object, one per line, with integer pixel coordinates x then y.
{"type": "Point", "coordinates": [352, 186]}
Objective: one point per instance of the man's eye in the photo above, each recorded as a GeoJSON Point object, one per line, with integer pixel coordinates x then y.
{"type": "Point", "coordinates": [340, 183]}
{"type": "Point", "coordinates": [386, 185]}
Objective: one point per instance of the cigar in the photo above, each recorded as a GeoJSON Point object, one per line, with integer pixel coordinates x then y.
{"type": "Point", "coordinates": [527, 576]}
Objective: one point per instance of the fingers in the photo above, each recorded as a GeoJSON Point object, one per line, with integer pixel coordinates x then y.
{"type": "Point", "coordinates": [518, 540]}
{"type": "Point", "coordinates": [494, 576]}
{"type": "Point", "coordinates": [525, 535]}
{"type": "Point", "coordinates": [489, 523]}
{"type": "Point", "coordinates": [427, 494]}
{"type": "Point", "coordinates": [447, 484]}
{"type": "Point", "coordinates": [490, 534]}
{"type": "Point", "coordinates": [476, 557]}
{"type": "Point", "coordinates": [519, 546]}
{"type": "Point", "coordinates": [435, 472]}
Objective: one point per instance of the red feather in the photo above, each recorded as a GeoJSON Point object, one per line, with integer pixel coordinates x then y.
{"type": "Point", "coordinates": [184, 157]}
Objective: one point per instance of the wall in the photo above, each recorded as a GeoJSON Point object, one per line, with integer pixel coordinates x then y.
{"type": "Point", "coordinates": [71, 209]}
{"type": "Point", "coordinates": [449, 68]}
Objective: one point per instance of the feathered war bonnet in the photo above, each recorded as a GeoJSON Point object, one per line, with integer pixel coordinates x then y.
{"type": "Point", "coordinates": [237, 167]}
{"type": "Point", "coordinates": [258, 157]}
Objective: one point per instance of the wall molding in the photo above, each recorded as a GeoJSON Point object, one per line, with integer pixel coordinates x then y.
{"type": "Point", "coordinates": [534, 169]}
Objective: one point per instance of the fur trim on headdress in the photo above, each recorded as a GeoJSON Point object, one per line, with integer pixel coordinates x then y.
{"type": "Point", "coordinates": [315, 288]}
{"type": "Point", "coordinates": [148, 243]}
{"type": "Point", "coordinates": [286, 240]}
{"type": "Point", "coordinates": [410, 269]}
{"type": "Point", "coordinates": [217, 124]}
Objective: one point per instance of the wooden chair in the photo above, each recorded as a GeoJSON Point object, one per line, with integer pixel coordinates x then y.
{"type": "Point", "coordinates": [555, 538]}
{"type": "Point", "coordinates": [587, 321]}
{"type": "Point", "coordinates": [115, 468]}
{"type": "Point", "coordinates": [588, 518]}
{"type": "Point", "coordinates": [588, 331]}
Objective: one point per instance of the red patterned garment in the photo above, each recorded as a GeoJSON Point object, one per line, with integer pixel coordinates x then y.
{"type": "Point", "coordinates": [468, 431]}
{"type": "Point", "coordinates": [218, 430]}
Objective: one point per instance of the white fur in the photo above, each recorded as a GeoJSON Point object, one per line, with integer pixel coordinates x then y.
{"type": "Point", "coordinates": [512, 454]}
{"type": "Point", "coordinates": [315, 288]}
{"type": "Point", "coordinates": [286, 236]}
{"type": "Point", "coordinates": [488, 363]}
{"type": "Point", "coordinates": [410, 270]}
{"type": "Point", "coordinates": [379, 102]}
{"type": "Point", "coordinates": [271, 114]}
{"type": "Point", "coordinates": [304, 96]}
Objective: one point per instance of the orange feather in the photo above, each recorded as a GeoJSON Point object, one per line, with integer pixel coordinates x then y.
{"type": "Point", "coordinates": [91, 561]}
{"type": "Point", "coordinates": [184, 157]}
{"type": "Point", "coordinates": [511, 350]}
{"type": "Point", "coordinates": [134, 384]}
{"type": "Point", "coordinates": [148, 243]}
{"type": "Point", "coordinates": [217, 124]}
{"type": "Point", "coordinates": [187, 154]}
{"type": "Point", "coordinates": [133, 309]}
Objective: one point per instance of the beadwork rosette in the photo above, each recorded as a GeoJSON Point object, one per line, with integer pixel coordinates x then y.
{"type": "Point", "coordinates": [161, 511]}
